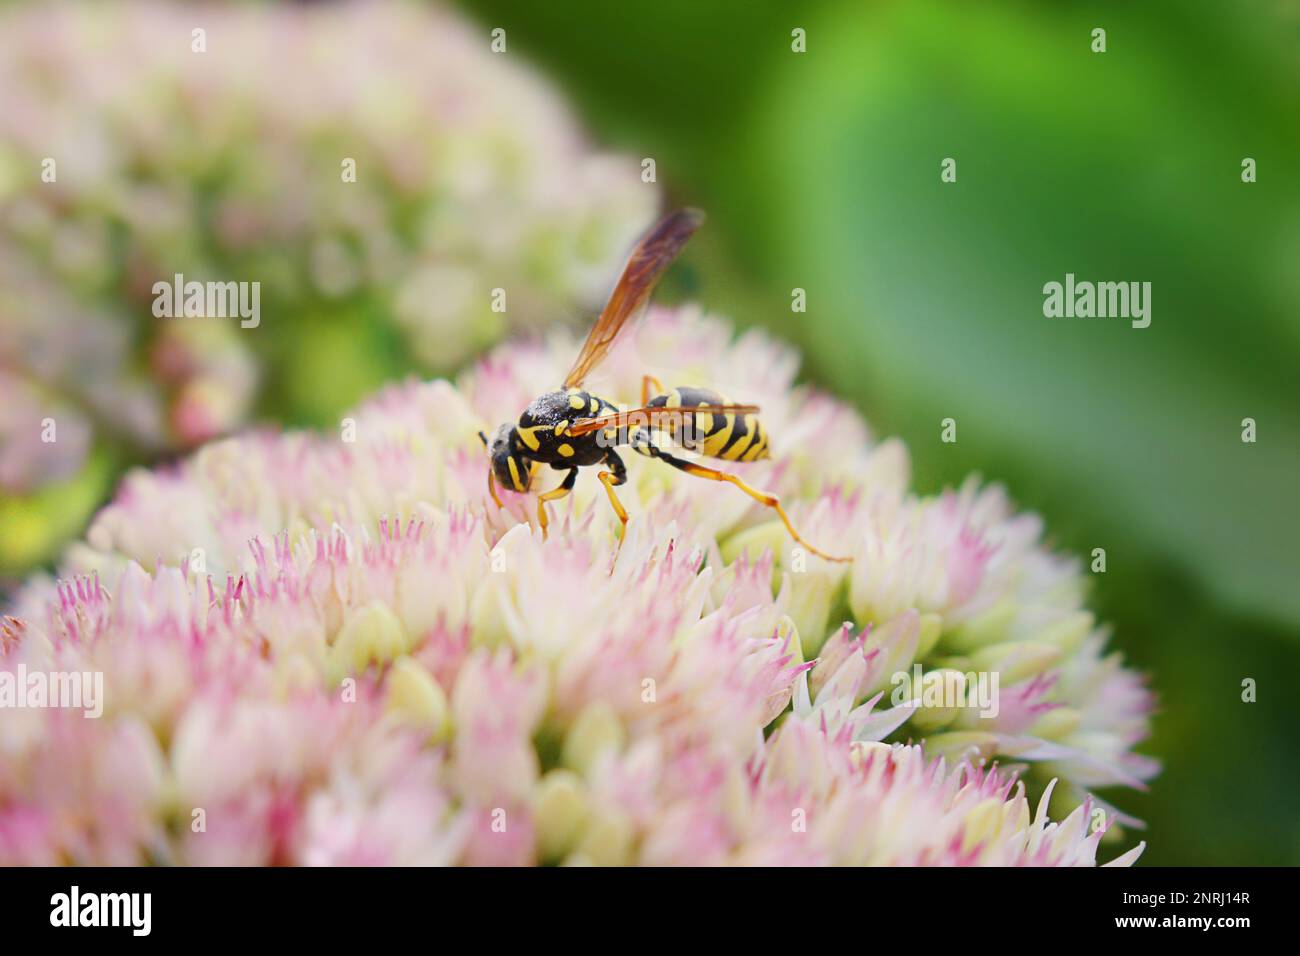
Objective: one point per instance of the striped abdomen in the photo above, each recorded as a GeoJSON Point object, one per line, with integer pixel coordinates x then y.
{"type": "Point", "coordinates": [729, 437]}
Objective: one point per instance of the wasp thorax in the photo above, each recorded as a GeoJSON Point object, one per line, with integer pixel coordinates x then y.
{"type": "Point", "coordinates": [555, 407]}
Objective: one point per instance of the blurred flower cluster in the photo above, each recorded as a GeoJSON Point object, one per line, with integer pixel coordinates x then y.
{"type": "Point", "coordinates": [374, 166]}
{"type": "Point", "coordinates": [333, 648]}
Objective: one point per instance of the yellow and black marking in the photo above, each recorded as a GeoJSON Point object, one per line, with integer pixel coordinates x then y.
{"type": "Point", "coordinates": [728, 436]}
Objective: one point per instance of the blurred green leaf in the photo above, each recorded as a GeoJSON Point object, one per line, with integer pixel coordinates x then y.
{"type": "Point", "coordinates": [926, 298]}
{"type": "Point", "coordinates": [34, 526]}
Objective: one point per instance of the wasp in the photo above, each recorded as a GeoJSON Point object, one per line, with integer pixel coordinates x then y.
{"type": "Point", "coordinates": [570, 428]}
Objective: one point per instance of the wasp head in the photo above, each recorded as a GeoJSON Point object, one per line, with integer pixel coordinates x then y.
{"type": "Point", "coordinates": [509, 466]}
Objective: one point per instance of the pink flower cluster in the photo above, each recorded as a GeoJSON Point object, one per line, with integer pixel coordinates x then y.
{"type": "Point", "coordinates": [374, 166]}
{"type": "Point", "coordinates": [344, 654]}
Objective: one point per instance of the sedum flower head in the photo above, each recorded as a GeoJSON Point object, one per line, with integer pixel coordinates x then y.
{"type": "Point", "coordinates": [374, 166]}
{"type": "Point", "coordinates": [343, 653]}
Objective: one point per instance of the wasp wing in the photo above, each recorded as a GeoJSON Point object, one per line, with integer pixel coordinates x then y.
{"type": "Point", "coordinates": [654, 416]}
{"type": "Point", "coordinates": [649, 260]}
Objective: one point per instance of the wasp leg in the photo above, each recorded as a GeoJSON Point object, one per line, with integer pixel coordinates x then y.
{"type": "Point", "coordinates": [646, 382]}
{"type": "Point", "coordinates": [762, 497]}
{"type": "Point", "coordinates": [555, 493]}
{"type": "Point", "coordinates": [640, 442]}
{"type": "Point", "coordinates": [617, 475]}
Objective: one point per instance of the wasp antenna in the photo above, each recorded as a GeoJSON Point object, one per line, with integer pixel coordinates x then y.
{"type": "Point", "coordinates": [693, 214]}
{"type": "Point", "coordinates": [483, 439]}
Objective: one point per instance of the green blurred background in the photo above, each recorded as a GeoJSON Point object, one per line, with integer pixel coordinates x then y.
{"type": "Point", "coordinates": [821, 171]}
